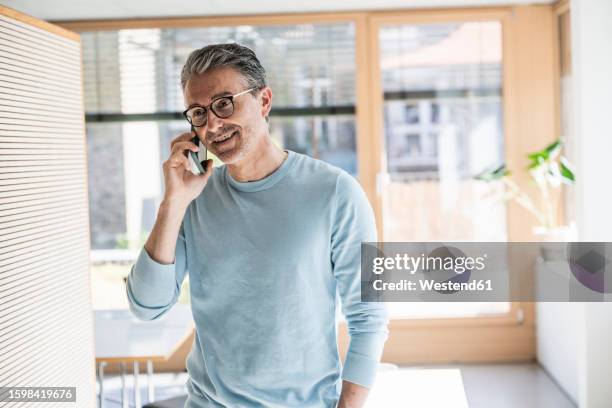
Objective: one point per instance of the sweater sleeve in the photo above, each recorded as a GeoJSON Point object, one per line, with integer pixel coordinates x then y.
{"type": "Point", "coordinates": [153, 288]}
{"type": "Point", "coordinates": [367, 321]}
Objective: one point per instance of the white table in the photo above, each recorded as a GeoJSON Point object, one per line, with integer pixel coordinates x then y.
{"type": "Point", "coordinates": [122, 338]}
{"type": "Point", "coordinates": [418, 387]}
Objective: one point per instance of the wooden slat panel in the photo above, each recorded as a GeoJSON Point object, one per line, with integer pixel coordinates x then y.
{"type": "Point", "coordinates": [13, 253]}
{"type": "Point", "coordinates": [32, 332]}
{"type": "Point", "coordinates": [12, 166]}
{"type": "Point", "coordinates": [15, 200]}
{"type": "Point", "coordinates": [53, 259]}
{"type": "Point", "coordinates": [38, 245]}
{"type": "Point", "coordinates": [28, 173]}
{"type": "Point", "coordinates": [35, 269]}
{"type": "Point", "coordinates": [30, 204]}
{"type": "Point", "coordinates": [10, 66]}
{"type": "Point", "coordinates": [37, 95]}
{"type": "Point", "coordinates": [54, 105]}
{"type": "Point", "coordinates": [27, 137]}
{"type": "Point", "coordinates": [37, 83]}
{"type": "Point", "coordinates": [27, 112]}
{"type": "Point", "coordinates": [50, 123]}
{"type": "Point", "coordinates": [42, 232]}
{"type": "Point", "coordinates": [45, 295]}
{"type": "Point", "coordinates": [36, 232]}
{"type": "Point", "coordinates": [37, 148]}
{"type": "Point", "coordinates": [33, 154]}
{"type": "Point", "coordinates": [18, 167]}
{"type": "Point", "coordinates": [29, 227]}
{"type": "Point", "coordinates": [8, 315]}
{"type": "Point", "coordinates": [25, 38]}
{"type": "Point", "coordinates": [29, 186]}
{"type": "Point", "coordinates": [11, 48]}
{"type": "Point", "coordinates": [38, 28]}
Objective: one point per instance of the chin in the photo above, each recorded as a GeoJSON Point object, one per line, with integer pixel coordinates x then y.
{"type": "Point", "coordinates": [232, 156]}
{"type": "Point", "coordinates": [228, 158]}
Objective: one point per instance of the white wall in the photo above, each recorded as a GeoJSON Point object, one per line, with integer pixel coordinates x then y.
{"type": "Point", "coordinates": [592, 72]}
{"type": "Point", "coordinates": [575, 340]}
{"type": "Point", "coordinates": [557, 343]}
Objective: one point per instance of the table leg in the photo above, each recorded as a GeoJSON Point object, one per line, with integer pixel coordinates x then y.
{"type": "Point", "coordinates": [150, 386]}
{"type": "Point", "coordinates": [136, 386]}
{"type": "Point", "coordinates": [124, 396]}
{"type": "Point", "coordinates": [101, 366]}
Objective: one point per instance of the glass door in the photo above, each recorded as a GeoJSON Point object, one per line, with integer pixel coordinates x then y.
{"type": "Point", "coordinates": [455, 92]}
{"type": "Point", "coordinates": [442, 86]}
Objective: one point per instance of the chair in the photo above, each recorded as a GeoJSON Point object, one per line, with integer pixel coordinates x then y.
{"type": "Point", "coordinates": [176, 402]}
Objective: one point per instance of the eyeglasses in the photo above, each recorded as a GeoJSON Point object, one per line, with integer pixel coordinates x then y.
{"type": "Point", "coordinates": [222, 107]}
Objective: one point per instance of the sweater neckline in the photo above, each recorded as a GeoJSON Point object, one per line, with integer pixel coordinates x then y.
{"type": "Point", "coordinates": [266, 182]}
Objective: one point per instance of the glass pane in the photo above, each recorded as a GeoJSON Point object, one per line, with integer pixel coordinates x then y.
{"type": "Point", "coordinates": [309, 66]}
{"type": "Point", "coordinates": [329, 138]}
{"type": "Point", "coordinates": [126, 178]}
{"type": "Point", "coordinates": [137, 71]}
{"type": "Point", "coordinates": [126, 183]}
{"type": "Point", "coordinates": [442, 88]}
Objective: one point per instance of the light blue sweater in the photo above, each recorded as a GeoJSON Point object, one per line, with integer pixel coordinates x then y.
{"type": "Point", "coordinates": [265, 261]}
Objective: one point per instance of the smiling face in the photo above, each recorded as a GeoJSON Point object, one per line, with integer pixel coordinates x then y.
{"type": "Point", "coordinates": [234, 138]}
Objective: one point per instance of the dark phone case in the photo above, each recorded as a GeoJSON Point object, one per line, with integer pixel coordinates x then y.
{"type": "Point", "coordinates": [200, 163]}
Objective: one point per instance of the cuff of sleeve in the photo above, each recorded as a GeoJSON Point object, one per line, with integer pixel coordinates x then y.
{"type": "Point", "coordinates": [152, 283]}
{"type": "Point", "coordinates": [359, 369]}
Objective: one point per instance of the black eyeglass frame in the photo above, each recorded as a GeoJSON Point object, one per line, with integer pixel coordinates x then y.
{"type": "Point", "coordinates": [209, 106]}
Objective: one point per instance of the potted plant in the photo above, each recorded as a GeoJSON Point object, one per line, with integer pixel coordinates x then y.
{"type": "Point", "coordinates": [548, 169]}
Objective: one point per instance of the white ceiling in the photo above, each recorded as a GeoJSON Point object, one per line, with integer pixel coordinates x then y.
{"type": "Point", "coordinates": [64, 10]}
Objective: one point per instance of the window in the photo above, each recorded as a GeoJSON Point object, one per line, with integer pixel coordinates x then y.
{"type": "Point", "coordinates": [413, 102]}
{"type": "Point", "coordinates": [442, 86]}
{"type": "Point", "coordinates": [133, 101]}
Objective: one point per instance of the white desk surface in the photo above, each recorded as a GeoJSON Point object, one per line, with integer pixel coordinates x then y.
{"type": "Point", "coordinates": [119, 336]}
{"type": "Point", "coordinates": [418, 387]}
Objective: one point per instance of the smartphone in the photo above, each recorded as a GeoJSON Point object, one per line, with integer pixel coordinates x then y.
{"type": "Point", "coordinates": [198, 162]}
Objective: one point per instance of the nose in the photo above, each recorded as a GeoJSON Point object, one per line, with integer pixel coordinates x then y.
{"type": "Point", "coordinates": [213, 123]}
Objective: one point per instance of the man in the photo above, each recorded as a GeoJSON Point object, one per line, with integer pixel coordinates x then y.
{"type": "Point", "coordinates": [268, 239]}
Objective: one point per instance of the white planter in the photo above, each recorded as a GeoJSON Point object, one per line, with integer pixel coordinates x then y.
{"type": "Point", "coordinates": [549, 236]}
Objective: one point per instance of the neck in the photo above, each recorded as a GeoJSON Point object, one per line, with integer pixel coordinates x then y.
{"type": "Point", "coordinates": [262, 162]}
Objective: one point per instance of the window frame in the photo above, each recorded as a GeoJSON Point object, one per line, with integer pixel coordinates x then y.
{"type": "Point", "coordinates": [526, 31]}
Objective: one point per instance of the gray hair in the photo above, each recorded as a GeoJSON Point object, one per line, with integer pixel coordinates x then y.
{"type": "Point", "coordinates": [237, 56]}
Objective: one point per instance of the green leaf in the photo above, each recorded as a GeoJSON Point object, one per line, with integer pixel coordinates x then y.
{"type": "Point", "coordinates": [554, 148]}
{"type": "Point", "coordinates": [534, 164]}
{"type": "Point", "coordinates": [538, 156]}
{"type": "Point", "coordinates": [492, 175]}
{"type": "Point", "coordinates": [548, 153]}
{"type": "Point", "coordinates": [566, 171]}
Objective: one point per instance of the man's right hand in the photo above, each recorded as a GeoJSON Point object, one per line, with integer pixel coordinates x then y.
{"type": "Point", "coordinates": [180, 183]}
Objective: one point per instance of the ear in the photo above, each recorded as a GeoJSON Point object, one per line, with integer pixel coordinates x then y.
{"type": "Point", "coordinates": [266, 101]}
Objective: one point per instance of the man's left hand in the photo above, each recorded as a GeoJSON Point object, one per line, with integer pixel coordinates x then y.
{"type": "Point", "coordinates": [352, 396]}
